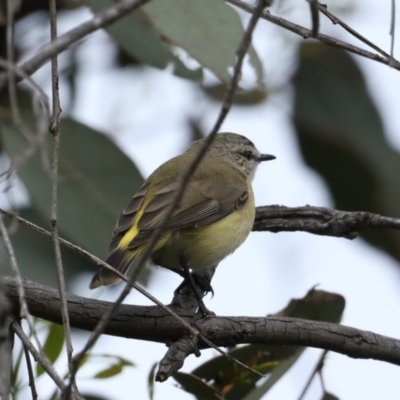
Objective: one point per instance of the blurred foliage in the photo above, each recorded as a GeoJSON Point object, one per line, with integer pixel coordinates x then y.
{"type": "Point", "coordinates": [342, 137]}
{"type": "Point", "coordinates": [338, 127]}
{"type": "Point", "coordinates": [96, 180]}
{"type": "Point", "coordinates": [220, 377]}
{"type": "Point", "coordinates": [35, 252]}
{"type": "Point", "coordinates": [52, 348]}
{"type": "Point", "coordinates": [209, 31]}
{"type": "Point", "coordinates": [22, 9]}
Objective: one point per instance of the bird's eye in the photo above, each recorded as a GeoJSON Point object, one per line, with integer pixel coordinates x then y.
{"type": "Point", "coordinates": [248, 155]}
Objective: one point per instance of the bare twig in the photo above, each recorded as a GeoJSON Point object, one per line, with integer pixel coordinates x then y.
{"type": "Point", "coordinates": [306, 33]}
{"type": "Point", "coordinates": [55, 130]}
{"type": "Point", "coordinates": [153, 324]}
{"type": "Point", "coordinates": [335, 20]}
{"type": "Point", "coordinates": [100, 20]}
{"type": "Point", "coordinates": [314, 17]}
{"type": "Point", "coordinates": [37, 356]}
{"type": "Point", "coordinates": [392, 31]}
{"type": "Point", "coordinates": [12, 89]}
{"type": "Point", "coordinates": [32, 384]}
{"type": "Point", "coordinates": [14, 266]}
{"type": "Point", "coordinates": [315, 371]}
{"type": "Point", "coordinates": [22, 304]}
{"type": "Point", "coordinates": [5, 343]}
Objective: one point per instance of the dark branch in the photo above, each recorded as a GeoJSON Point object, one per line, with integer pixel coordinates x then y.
{"type": "Point", "coordinates": [307, 33]}
{"type": "Point", "coordinates": [153, 324]}
{"type": "Point", "coordinates": [320, 221]}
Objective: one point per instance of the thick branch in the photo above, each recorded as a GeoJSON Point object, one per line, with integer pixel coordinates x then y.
{"type": "Point", "coordinates": [320, 221]}
{"type": "Point", "coordinates": [153, 324]}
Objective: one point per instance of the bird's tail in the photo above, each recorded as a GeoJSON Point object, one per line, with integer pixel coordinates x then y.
{"type": "Point", "coordinates": [120, 259]}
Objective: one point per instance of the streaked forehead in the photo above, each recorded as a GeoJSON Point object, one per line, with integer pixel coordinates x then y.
{"type": "Point", "coordinates": [234, 137]}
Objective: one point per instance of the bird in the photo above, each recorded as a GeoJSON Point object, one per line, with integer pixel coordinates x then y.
{"type": "Point", "coordinates": [213, 218]}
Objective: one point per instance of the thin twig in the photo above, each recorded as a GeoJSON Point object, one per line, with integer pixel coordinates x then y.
{"type": "Point", "coordinates": [306, 33]}
{"type": "Point", "coordinates": [55, 130]}
{"type": "Point", "coordinates": [21, 74]}
{"type": "Point", "coordinates": [313, 374]}
{"type": "Point", "coordinates": [100, 20]}
{"type": "Point", "coordinates": [40, 107]}
{"type": "Point", "coordinates": [31, 375]}
{"type": "Point", "coordinates": [392, 31]}
{"type": "Point", "coordinates": [23, 307]}
{"type": "Point", "coordinates": [5, 342]}
{"type": "Point", "coordinates": [24, 313]}
{"type": "Point", "coordinates": [12, 89]}
{"type": "Point", "coordinates": [314, 17]}
{"type": "Point", "coordinates": [44, 362]}
{"type": "Point", "coordinates": [110, 15]}
{"type": "Point", "coordinates": [241, 52]}
{"type": "Point", "coordinates": [335, 20]}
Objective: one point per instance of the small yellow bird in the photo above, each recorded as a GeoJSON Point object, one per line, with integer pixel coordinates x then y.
{"type": "Point", "coordinates": [213, 219]}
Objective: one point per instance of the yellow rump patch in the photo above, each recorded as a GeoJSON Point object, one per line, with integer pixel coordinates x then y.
{"type": "Point", "coordinates": [132, 232]}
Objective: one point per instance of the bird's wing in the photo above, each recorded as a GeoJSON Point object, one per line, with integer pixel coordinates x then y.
{"type": "Point", "coordinates": [204, 203]}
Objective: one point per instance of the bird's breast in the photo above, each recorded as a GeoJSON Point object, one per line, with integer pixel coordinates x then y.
{"type": "Point", "coordinates": [206, 246]}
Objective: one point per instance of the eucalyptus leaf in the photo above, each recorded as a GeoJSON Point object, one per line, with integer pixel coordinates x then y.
{"type": "Point", "coordinates": [234, 383]}
{"type": "Point", "coordinates": [138, 38]}
{"type": "Point", "coordinates": [209, 30]}
{"type": "Point", "coordinates": [35, 252]}
{"type": "Point", "coordinates": [196, 386]}
{"type": "Point", "coordinates": [96, 181]}
{"type": "Point", "coordinates": [342, 137]}
{"type": "Point", "coordinates": [150, 380]}
{"type": "Point", "coordinates": [52, 346]}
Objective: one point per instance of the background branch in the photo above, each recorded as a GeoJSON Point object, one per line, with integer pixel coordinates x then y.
{"type": "Point", "coordinates": [307, 33]}
{"type": "Point", "coordinates": [320, 221]}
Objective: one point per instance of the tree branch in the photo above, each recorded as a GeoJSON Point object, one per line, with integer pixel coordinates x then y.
{"type": "Point", "coordinates": [307, 33]}
{"type": "Point", "coordinates": [320, 221]}
{"type": "Point", "coordinates": [153, 324]}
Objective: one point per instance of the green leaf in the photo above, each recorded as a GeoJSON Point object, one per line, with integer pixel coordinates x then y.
{"type": "Point", "coordinates": [52, 346]}
{"type": "Point", "coordinates": [139, 39]}
{"type": "Point", "coordinates": [194, 385]}
{"type": "Point", "coordinates": [35, 252]}
{"type": "Point", "coordinates": [209, 30]}
{"type": "Point", "coordinates": [316, 305]}
{"type": "Point", "coordinates": [342, 137]}
{"type": "Point", "coordinates": [150, 380]}
{"type": "Point", "coordinates": [96, 181]}
{"type": "Point", "coordinates": [274, 377]}
{"type": "Point", "coordinates": [236, 383]}
{"type": "Point", "coordinates": [109, 372]}
{"type": "Point", "coordinates": [114, 369]}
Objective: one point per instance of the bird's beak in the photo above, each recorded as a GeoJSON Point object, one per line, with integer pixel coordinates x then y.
{"type": "Point", "coordinates": [266, 157]}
